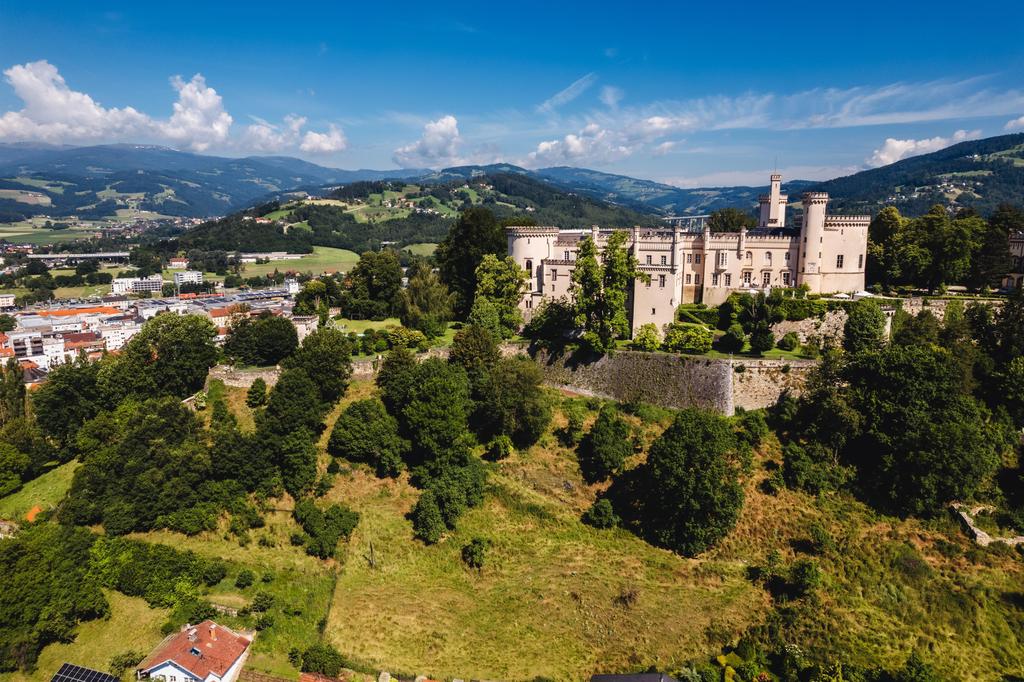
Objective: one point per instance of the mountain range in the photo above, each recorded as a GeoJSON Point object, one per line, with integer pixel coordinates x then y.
{"type": "Point", "coordinates": [99, 181]}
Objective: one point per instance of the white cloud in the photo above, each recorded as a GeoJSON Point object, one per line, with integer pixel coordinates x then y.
{"type": "Point", "coordinates": [438, 146]}
{"type": "Point", "coordinates": [759, 177]}
{"type": "Point", "coordinates": [663, 148]}
{"type": "Point", "coordinates": [611, 96]}
{"type": "Point", "coordinates": [53, 112]}
{"type": "Point", "coordinates": [893, 149]}
{"type": "Point", "coordinates": [1014, 124]}
{"type": "Point", "coordinates": [592, 144]}
{"type": "Point", "coordinates": [199, 119]}
{"type": "Point", "coordinates": [568, 94]}
{"type": "Point", "coordinates": [324, 143]}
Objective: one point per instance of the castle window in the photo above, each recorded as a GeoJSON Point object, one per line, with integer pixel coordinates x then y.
{"type": "Point", "coordinates": [723, 258]}
{"type": "Point", "coordinates": [768, 257]}
{"type": "Point", "coordinates": [689, 258]}
{"type": "Point", "coordinates": [529, 303]}
{"type": "Point", "coordinates": [529, 268]}
{"type": "Point", "coordinates": [648, 260]}
{"type": "Point", "coordinates": [787, 256]}
{"type": "Point", "coordinates": [696, 279]}
{"type": "Point", "coordinates": [728, 279]}
{"type": "Point", "coordinates": [766, 279]}
{"type": "Point", "coordinates": [567, 255]}
{"type": "Point", "coordinates": [661, 281]}
{"type": "Point", "coordinates": [839, 261]}
{"type": "Point", "coordinates": [750, 256]}
{"type": "Point", "coordinates": [860, 262]}
{"type": "Point", "coordinates": [746, 278]}
{"type": "Point", "coordinates": [664, 260]}
{"type": "Point", "coordinates": [696, 258]}
{"type": "Point", "coordinates": [653, 311]}
{"type": "Point", "coordinates": [688, 278]}
{"type": "Point", "coordinates": [785, 279]}
{"type": "Point", "coordinates": [714, 279]}
{"type": "Point", "coordinates": [554, 275]}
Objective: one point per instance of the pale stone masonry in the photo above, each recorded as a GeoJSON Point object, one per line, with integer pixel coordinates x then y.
{"type": "Point", "coordinates": [826, 252]}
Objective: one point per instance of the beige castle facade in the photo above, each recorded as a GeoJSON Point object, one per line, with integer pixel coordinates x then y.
{"type": "Point", "coordinates": [1015, 278]}
{"type": "Point", "coordinates": [689, 264]}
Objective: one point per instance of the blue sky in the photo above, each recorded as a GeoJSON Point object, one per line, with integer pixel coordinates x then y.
{"type": "Point", "coordinates": [687, 93]}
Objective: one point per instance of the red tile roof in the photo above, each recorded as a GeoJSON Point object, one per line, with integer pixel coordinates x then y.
{"type": "Point", "coordinates": [67, 312]}
{"type": "Point", "coordinates": [218, 648]}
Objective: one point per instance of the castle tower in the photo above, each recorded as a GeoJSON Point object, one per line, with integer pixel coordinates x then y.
{"type": "Point", "coordinates": [773, 205]}
{"type": "Point", "coordinates": [812, 238]}
{"type": "Point", "coordinates": [528, 247]}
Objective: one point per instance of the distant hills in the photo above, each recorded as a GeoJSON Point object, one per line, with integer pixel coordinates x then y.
{"type": "Point", "coordinates": [100, 181]}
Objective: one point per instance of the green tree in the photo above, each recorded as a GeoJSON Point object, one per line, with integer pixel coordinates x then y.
{"type": "Point", "coordinates": [474, 349]}
{"type": "Point", "coordinates": [69, 398]}
{"type": "Point", "coordinates": [601, 514]}
{"type": "Point", "coordinates": [501, 282]}
{"type": "Point", "coordinates": [475, 235]}
{"type": "Point", "coordinates": [883, 266]}
{"type": "Point", "coordinates": [293, 405]}
{"type": "Point", "coordinates": [374, 285]}
{"type": "Point", "coordinates": [7, 323]}
{"type": "Point", "coordinates": [322, 658]}
{"type": "Point", "coordinates": [761, 339]}
{"type": "Point", "coordinates": [600, 286]}
{"type": "Point", "coordinates": [604, 450]}
{"type": "Point", "coordinates": [13, 468]}
{"type": "Point", "coordinates": [733, 340]}
{"type": "Point", "coordinates": [311, 297]}
{"type": "Point", "coordinates": [264, 340]}
{"type": "Point", "coordinates": [365, 432]}
{"type": "Point", "coordinates": [425, 304]}
{"type": "Point", "coordinates": [396, 379]}
{"type": "Point", "coordinates": [474, 554]}
{"type": "Point", "coordinates": [325, 356]}
{"type": "Point", "coordinates": [690, 496]}
{"type": "Point", "coordinates": [12, 391]}
{"type": "Point", "coordinates": [256, 396]}
{"type": "Point", "coordinates": [992, 260]}
{"type": "Point", "coordinates": [687, 338]}
{"type": "Point", "coordinates": [512, 402]}
{"type": "Point", "coordinates": [427, 523]}
{"type": "Point", "coordinates": [436, 427]}
{"type": "Point", "coordinates": [730, 220]}
{"type": "Point", "coordinates": [865, 327]}
{"type": "Point", "coordinates": [646, 338]}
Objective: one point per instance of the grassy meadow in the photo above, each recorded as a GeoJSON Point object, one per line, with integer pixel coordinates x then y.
{"type": "Point", "coordinates": [322, 259]}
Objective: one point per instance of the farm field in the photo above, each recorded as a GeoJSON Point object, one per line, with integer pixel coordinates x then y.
{"type": "Point", "coordinates": [424, 249]}
{"type": "Point", "coordinates": [323, 258]}
{"type": "Point", "coordinates": [24, 233]}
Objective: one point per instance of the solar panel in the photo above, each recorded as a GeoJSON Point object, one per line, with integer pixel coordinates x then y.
{"type": "Point", "coordinates": [76, 673]}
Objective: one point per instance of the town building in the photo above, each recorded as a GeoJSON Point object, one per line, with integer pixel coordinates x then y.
{"type": "Point", "coordinates": [6, 301]}
{"type": "Point", "coordinates": [178, 263]}
{"type": "Point", "coordinates": [188, 277]}
{"type": "Point", "coordinates": [206, 652]}
{"type": "Point", "coordinates": [687, 263]}
{"type": "Point", "coordinates": [1015, 278]}
{"type": "Point", "coordinates": [137, 285]}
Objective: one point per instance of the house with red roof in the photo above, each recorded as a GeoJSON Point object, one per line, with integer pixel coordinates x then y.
{"type": "Point", "coordinates": [206, 652]}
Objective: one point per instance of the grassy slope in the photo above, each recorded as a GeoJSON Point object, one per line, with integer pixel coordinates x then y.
{"type": "Point", "coordinates": [132, 626]}
{"type": "Point", "coordinates": [549, 599]}
{"type": "Point", "coordinates": [45, 491]}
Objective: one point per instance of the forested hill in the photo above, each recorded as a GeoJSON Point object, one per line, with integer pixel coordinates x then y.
{"type": "Point", "coordinates": [361, 216]}
{"type": "Point", "coordinates": [979, 174]}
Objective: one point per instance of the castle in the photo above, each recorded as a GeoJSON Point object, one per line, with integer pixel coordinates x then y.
{"type": "Point", "coordinates": [687, 263]}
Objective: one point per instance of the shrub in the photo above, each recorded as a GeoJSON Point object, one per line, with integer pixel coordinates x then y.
{"type": "Point", "coordinates": [245, 579]}
{"type": "Point", "coordinates": [733, 340]}
{"type": "Point", "coordinates": [264, 621]}
{"type": "Point", "coordinates": [475, 553]}
{"type": "Point", "coordinates": [789, 342]}
{"type": "Point", "coordinates": [761, 339]}
{"type": "Point", "coordinates": [575, 416]}
{"type": "Point", "coordinates": [500, 448]}
{"type": "Point", "coordinates": [322, 658]}
{"type": "Point", "coordinates": [804, 577]}
{"type": "Point", "coordinates": [261, 602]}
{"type": "Point", "coordinates": [600, 515]}
{"type": "Point", "coordinates": [427, 523]}
{"type": "Point", "coordinates": [688, 338]}
{"type": "Point", "coordinates": [121, 663]}
{"type": "Point", "coordinates": [646, 338]}
{"type": "Point", "coordinates": [605, 449]}
{"type": "Point", "coordinates": [365, 432]}
{"type": "Point", "coordinates": [820, 539]}
{"type": "Point", "coordinates": [324, 528]}
{"type": "Point", "coordinates": [257, 393]}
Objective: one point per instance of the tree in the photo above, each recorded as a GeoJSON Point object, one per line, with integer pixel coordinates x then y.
{"type": "Point", "coordinates": [436, 427]}
{"type": "Point", "coordinates": [474, 554]}
{"type": "Point", "coordinates": [293, 405]}
{"type": "Point", "coordinates": [883, 266]}
{"type": "Point", "coordinates": [601, 514]}
{"type": "Point", "coordinates": [311, 297]}
{"type": "Point", "coordinates": [365, 432]}
{"type": "Point", "coordinates": [475, 350]}
{"type": "Point", "coordinates": [475, 235]}
{"type": "Point", "coordinates": [605, 448]}
{"type": "Point", "coordinates": [992, 260]}
{"type": "Point", "coordinates": [256, 396]}
{"type": "Point", "coordinates": [501, 282]}
{"type": "Point", "coordinates": [396, 379]}
{"type": "Point", "coordinates": [646, 338]}
{"type": "Point", "coordinates": [322, 658]}
{"type": "Point", "coordinates": [690, 493]}
{"type": "Point", "coordinates": [730, 220]}
{"type": "Point", "coordinates": [69, 398]}
{"type": "Point", "coordinates": [264, 340]}
{"type": "Point", "coordinates": [600, 287]}
{"type": "Point", "coordinates": [13, 467]}
{"type": "Point", "coordinates": [7, 323]}
{"type": "Point", "coordinates": [373, 286]}
{"type": "Point", "coordinates": [325, 357]}
{"type": "Point", "coordinates": [761, 339]}
{"type": "Point", "coordinates": [427, 523]}
{"type": "Point", "coordinates": [512, 402]}
{"type": "Point", "coordinates": [425, 304]}
{"type": "Point", "coordinates": [12, 391]}
{"type": "Point", "coordinates": [865, 327]}
{"type": "Point", "coordinates": [296, 457]}
{"type": "Point", "coordinates": [733, 340]}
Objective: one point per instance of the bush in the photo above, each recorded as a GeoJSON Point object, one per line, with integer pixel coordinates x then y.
{"type": "Point", "coordinates": [500, 448]}
{"type": "Point", "coordinates": [789, 342]}
{"type": "Point", "coordinates": [365, 432]}
{"type": "Point", "coordinates": [575, 417]}
{"type": "Point", "coordinates": [812, 468]}
{"type": "Point", "coordinates": [733, 340]}
{"type": "Point", "coordinates": [604, 450]}
{"type": "Point", "coordinates": [427, 523]}
{"type": "Point", "coordinates": [261, 602]}
{"type": "Point", "coordinates": [322, 658]}
{"type": "Point", "coordinates": [761, 339]}
{"type": "Point", "coordinates": [804, 577]}
{"type": "Point", "coordinates": [245, 579]}
{"type": "Point", "coordinates": [646, 338]}
{"type": "Point", "coordinates": [324, 528]}
{"type": "Point", "coordinates": [121, 663]}
{"type": "Point", "coordinates": [475, 553]}
{"type": "Point", "coordinates": [600, 515]}
{"type": "Point", "coordinates": [688, 338]}
{"type": "Point", "coordinates": [256, 396]}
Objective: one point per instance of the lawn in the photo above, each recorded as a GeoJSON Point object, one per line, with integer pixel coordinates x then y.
{"type": "Point", "coordinates": [43, 492]}
{"type": "Point", "coordinates": [133, 626]}
{"type": "Point", "coordinates": [421, 249]}
{"type": "Point", "coordinates": [322, 259]}
{"type": "Point", "coordinates": [360, 326]}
